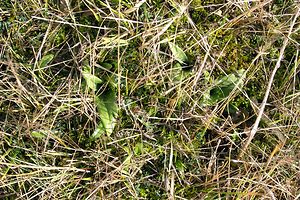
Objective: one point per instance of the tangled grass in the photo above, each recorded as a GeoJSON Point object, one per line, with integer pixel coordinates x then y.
{"type": "Point", "coordinates": [182, 130]}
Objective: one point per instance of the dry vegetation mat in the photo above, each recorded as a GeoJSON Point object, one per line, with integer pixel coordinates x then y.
{"type": "Point", "coordinates": [149, 99]}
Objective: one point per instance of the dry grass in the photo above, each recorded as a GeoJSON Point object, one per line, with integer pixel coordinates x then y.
{"type": "Point", "coordinates": [167, 143]}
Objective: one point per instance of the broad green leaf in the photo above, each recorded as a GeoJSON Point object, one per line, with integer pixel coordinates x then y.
{"type": "Point", "coordinates": [91, 79]}
{"type": "Point", "coordinates": [180, 166]}
{"type": "Point", "coordinates": [107, 66]}
{"type": "Point", "coordinates": [227, 81]}
{"type": "Point", "coordinates": [241, 73]}
{"type": "Point", "coordinates": [98, 131]}
{"type": "Point", "coordinates": [223, 87]}
{"type": "Point", "coordinates": [38, 134]}
{"type": "Point", "coordinates": [46, 60]}
{"type": "Point", "coordinates": [107, 109]}
{"type": "Point", "coordinates": [178, 53]}
{"type": "Point", "coordinates": [176, 73]}
{"type": "Point", "coordinates": [138, 149]}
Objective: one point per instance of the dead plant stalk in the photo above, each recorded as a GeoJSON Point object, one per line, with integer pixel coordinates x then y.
{"type": "Point", "coordinates": [262, 107]}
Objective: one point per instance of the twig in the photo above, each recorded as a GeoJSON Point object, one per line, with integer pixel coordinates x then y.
{"type": "Point", "coordinates": [262, 107]}
{"type": "Point", "coordinates": [69, 23]}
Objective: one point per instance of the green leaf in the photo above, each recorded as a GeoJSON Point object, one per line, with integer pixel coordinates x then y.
{"type": "Point", "coordinates": [178, 53]}
{"type": "Point", "coordinates": [46, 60]}
{"type": "Point", "coordinates": [98, 131]}
{"type": "Point", "coordinates": [176, 73]}
{"type": "Point", "coordinates": [38, 134]}
{"type": "Point", "coordinates": [91, 79]}
{"type": "Point", "coordinates": [223, 87]}
{"type": "Point", "coordinates": [107, 66]}
{"type": "Point", "coordinates": [180, 166]}
{"type": "Point", "coordinates": [138, 149]}
{"type": "Point", "coordinates": [108, 111]}
{"type": "Point", "coordinates": [227, 81]}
